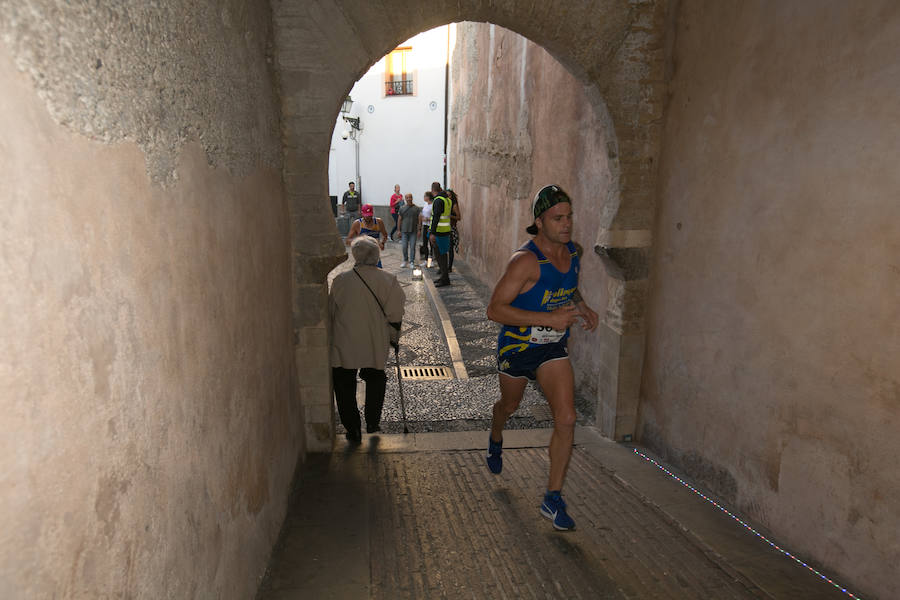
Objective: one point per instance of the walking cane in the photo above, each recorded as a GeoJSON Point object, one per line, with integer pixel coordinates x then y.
{"type": "Point", "coordinates": [400, 387]}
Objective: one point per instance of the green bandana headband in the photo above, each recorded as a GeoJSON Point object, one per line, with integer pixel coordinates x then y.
{"type": "Point", "coordinates": [549, 195]}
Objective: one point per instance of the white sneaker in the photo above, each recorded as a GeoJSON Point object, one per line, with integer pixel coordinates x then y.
{"type": "Point", "coordinates": [403, 265]}
{"type": "Point", "coordinates": [429, 264]}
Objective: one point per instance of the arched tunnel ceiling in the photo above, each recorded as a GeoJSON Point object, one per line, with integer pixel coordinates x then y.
{"type": "Point", "coordinates": [615, 47]}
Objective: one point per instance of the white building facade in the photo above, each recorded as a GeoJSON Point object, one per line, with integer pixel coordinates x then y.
{"type": "Point", "coordinates": [400, 103]}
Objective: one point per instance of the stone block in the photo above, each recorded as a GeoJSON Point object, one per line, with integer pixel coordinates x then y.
{"type": "Point", "coordinates": [627, 264]}
{"type": "Point", "coordinates": [300, 178]}
{"type": "Point", "coordinates": [627, 302]}
{"type": "Point", "coordinates": [317, 377]}
{"type": "Point", "coordinates": [311, 132]}
{"type": "Point", "coordinates": [319, 437]}
{"type": "Point", "coordinates": [618, 379]}
{"type": "Point", "coordinates": [310, 306]}
{"type": "Point", "coordinates": [632, 347]}
{"type": "Point", "coordinates": [313, 337]}
{"type": "Point", "coordinates": [300, 156]}
{"type": "Point", "coordinates": [303, 201]}
{"type": "Point", "coordinates": [624, 426]}
{"type": "Point", "coordinates": [311, 358]}
{"type": "Point", "coordinates": [311, 215]}
{"type": "Point", "coordinates": [318, 413]}
{"type": "Point", "coordinates": [318, 395]}
{"type": "Point", "coordinates": [314, 269]}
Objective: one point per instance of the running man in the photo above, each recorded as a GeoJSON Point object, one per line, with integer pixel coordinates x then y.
{"type": "Point", "coordinates": [536, 301]}
{"type": "Point", "coordinates": [369, 225]}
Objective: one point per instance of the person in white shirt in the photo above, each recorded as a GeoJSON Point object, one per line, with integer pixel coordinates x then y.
{"type": "Point", "coordinates": [425, 219]}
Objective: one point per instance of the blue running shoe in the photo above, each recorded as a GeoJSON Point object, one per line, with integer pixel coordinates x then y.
{"type": "Point", "coordinates": [495, 455]}
{"type": "Point", "coordinates": [554, 508]}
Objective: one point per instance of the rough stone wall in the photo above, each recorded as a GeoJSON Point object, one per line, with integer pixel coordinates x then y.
{"type": "Point", "coordinates": [774, 329]}
{"type": "Point", "coordinates": [157, 74]}
{"type": "Point", "coordinates": [149, 421]}
{"type": "Point", "coordinates": [521, 121]}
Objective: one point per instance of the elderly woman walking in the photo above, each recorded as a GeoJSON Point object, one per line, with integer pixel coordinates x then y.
{"type": "Point", "coordinates": [366, 307]}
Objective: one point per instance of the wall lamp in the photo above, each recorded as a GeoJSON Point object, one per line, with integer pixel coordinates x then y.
{"type": "Point", "coordinates": [345, 110]}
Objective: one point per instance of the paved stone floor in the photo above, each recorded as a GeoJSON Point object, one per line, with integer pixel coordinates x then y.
{"type": "Point", "coordinates": [457, 404]}
{"type": "Point", "coordinates": [420, 515]}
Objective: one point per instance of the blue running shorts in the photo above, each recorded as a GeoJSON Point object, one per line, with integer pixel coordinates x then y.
{"type": "Point", "coordinates": [526, 363]}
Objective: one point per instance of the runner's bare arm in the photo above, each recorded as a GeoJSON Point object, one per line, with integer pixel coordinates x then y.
{"type": "Point", "coordinates": [590, 318]}
{"type": "Point", "coordinates": [521, 273]}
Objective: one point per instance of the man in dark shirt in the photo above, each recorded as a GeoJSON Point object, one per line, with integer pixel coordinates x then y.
{"type": "Point", "coordinates": [440, 232]}
{"type": "Point", "coordinates": [408, 222]}
{"type": "Point", "coordinates": [352, 201]}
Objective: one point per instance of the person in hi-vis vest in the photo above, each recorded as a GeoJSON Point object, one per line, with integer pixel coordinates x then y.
{"type": "Point", "coordinates": [441, 228]}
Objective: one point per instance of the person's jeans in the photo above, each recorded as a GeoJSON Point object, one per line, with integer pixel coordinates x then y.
{"type": "Point", "coordinates": [426, 244]}
{"type": "Point", "coordinates": [409, 246]}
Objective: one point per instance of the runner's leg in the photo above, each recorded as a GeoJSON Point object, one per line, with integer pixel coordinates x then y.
{"type": "Point", "coordinates": [511, 391]}
{"type": "Point", "coordinates": [558, 383]}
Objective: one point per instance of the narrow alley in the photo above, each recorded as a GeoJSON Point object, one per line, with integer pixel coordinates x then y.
{"type": "Point", "coordinates": [420, 515]}
{"type": "Point", "coordinates": [173, 173]}
{"type": "Point", "coordinates": [462, 400]}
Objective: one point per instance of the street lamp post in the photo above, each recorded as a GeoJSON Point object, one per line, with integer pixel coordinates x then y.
{"type": "Point", "coordinates": [354, 133]}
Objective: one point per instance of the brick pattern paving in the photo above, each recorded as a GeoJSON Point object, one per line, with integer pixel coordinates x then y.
{"type": "Point", "coordinates": [443, 527]}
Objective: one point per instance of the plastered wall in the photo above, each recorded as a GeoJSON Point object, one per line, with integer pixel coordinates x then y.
{"type": "Point", "coordinates": [149, 423]}
{"type": "Point", "coordinates": [773, 352]}
{"type": "Point", "coordinates": [521, 121]}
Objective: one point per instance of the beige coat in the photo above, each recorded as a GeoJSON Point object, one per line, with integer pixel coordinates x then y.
{"type": "Point", "coordinates": [360, 332]}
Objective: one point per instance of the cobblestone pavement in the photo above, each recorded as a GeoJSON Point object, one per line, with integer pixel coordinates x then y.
{"type": "Point", "coordinates": [420, 516]}
{"type": "Point", "coordinates": [456, 404]}
{"type": "Point", "coordinates": [458, 532]}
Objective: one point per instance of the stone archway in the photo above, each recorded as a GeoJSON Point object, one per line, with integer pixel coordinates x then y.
{"type": "Point", "coordinates": [614, 47]}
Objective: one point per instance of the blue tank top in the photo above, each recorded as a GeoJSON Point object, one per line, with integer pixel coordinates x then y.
{"type": "Point", "coordinates": [373, 233]}
{"type": "Point", "coordinates": [552, 290]}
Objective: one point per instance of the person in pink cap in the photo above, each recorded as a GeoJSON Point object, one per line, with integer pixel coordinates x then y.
{"type": "Point", "coordinates": [369, 225]}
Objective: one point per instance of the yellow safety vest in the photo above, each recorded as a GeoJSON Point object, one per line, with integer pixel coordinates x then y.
{"type": "Point", "coordinates": [444, 222]}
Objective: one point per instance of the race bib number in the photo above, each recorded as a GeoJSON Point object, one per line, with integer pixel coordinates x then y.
{"type": "Point", "coordinates": [545, 335]}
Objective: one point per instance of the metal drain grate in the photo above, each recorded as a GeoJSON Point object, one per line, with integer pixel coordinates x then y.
{"type": "Point", "coordinates": [426, 373]}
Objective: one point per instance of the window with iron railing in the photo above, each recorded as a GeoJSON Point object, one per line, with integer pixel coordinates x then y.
{"type": "Point", "coordinates": [403, 87]}
{"type": "Point", "coordinates": [398, 74]}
